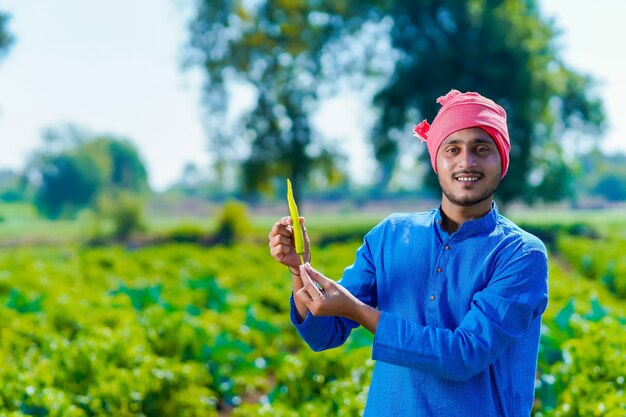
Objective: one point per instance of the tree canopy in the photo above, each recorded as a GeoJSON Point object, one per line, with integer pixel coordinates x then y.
{"type": "Point", "coordinates": [276, 48]}
{"type": "Point", "coordinates": [504, 49]}
{"type": "Point", "coordinates": [74, 169]}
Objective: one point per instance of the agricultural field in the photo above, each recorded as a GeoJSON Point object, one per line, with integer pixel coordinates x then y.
{"type": "Point", "coordinates": [185, 329]}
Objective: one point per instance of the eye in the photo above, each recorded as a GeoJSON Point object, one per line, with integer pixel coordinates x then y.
{"type": "Point", "coordinates": [483, 149]}
{"type": "Point", "coordinates": [452, 149]}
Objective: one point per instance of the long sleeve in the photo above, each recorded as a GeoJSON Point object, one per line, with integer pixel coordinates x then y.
{"type": "Point", "coordinates": [322, 333]}
{"type": "Point", "coordinates": [500, 314]}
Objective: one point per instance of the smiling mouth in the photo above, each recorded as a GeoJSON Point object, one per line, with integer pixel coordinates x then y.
{"type": "Point", "coordinates": [466, 179]}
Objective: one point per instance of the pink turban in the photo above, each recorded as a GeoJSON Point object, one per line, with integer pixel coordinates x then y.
{"type": "Point", "coordinates": [461, 111]}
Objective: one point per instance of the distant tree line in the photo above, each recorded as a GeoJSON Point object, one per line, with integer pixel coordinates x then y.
{"type": "Point", "coordinates": [592, 179]}
{"type": "Point", "coordinates": [80, 182]}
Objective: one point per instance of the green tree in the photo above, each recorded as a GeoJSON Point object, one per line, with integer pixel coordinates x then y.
{"type": "Point", "coordinates": [120, 161]}
{"type": "Point", "coordinates": [74, 169]}
{"type": "Point", "coordinates": [275, 47]}
{"type": "Point", "coordinates": [611, 187]}
{"type": "Point", "coordinates": [67, 182]}
{"type": "Point", "coordinates": [604, 175]}
{"type": "Point", "coordinates": [503, 49]}
{"type": "Point", "coordinates": [12, 186]}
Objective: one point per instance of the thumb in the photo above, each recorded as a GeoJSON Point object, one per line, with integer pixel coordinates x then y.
{"type": "Point", "coordinates": [311, 277]}
{"type": "Point", "coordinates": [307, 242]}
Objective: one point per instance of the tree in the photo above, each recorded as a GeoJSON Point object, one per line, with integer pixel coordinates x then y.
{"type": "Point", "coordinates": [611, 187]}
{"type": "Point", "coordinates": [12, 186]}
{"type": "Point", "coordinates": [120, 161]}
{"type": "Point", "coordinates": [68, 182]}
{"type": "Point", "coordinates": [275, 47]}
{"type": "Point", "coordinates": [503, 49]}
{"type": "Point", "coordinates": [602, 175]}
{"type": "Point", "coordinates": [75, 169]}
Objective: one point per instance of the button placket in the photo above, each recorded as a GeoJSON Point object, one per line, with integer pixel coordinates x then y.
{"type": "Point", "coordinates": [439, 277]}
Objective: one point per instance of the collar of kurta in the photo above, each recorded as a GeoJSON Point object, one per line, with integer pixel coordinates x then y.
{"type": "Point", "coordinates": [480, 226]}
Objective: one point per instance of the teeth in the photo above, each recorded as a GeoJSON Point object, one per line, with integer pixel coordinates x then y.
{"type": "Point", "coordinates": [466, 179]}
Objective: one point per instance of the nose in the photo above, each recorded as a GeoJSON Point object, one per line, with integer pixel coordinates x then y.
{"type": "Point", "coordinates": [467, 159]}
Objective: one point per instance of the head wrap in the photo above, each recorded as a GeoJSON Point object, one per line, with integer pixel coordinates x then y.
{"type": "Point", "coordinates": [461, 111]}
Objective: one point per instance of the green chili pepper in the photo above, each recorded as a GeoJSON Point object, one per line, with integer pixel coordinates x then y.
{"type": "Point", "coordinates": [295, 220]}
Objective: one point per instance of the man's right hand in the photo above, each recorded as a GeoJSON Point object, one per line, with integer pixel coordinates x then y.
{"type": "Point", "coordinates": [282, 246]}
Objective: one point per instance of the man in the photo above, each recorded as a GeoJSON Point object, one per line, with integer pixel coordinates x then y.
{"type": "Point", "coordinates": [454, 296]}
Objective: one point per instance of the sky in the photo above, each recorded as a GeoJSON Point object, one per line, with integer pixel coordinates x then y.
{"type": "Point", "coordinates": [115, 66]}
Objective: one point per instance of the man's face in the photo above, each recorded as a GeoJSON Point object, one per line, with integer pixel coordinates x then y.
{"type": "Point", "coordinates": [468, 167]}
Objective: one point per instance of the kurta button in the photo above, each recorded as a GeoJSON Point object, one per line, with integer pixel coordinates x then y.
{"type": "Point", "coordinates": [432, 298]}
{"type": "Point", "coordinates": [439, 269]}
{"type": "Point", "coordinates": [447, 247]}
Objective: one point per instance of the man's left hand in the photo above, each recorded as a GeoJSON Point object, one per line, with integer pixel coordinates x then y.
{"type": "Point", "coordinates": [325, 297]}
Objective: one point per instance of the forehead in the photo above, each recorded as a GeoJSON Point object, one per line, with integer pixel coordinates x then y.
{"type": "Point", "coordinates": [469, 135]}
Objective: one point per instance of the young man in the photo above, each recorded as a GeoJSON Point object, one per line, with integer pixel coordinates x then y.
{"type": "Point", "coordinates": [454, 296]}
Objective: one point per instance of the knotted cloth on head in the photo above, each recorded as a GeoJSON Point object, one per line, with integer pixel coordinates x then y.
{"type": "Point", "coordinates": [461, 111]}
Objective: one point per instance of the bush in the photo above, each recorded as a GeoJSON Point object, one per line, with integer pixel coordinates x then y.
{"type": "Point", "coordinates": [232, 223]}
{"type": "Point", "coordinates": [591, 376]}
{"type": "Point", "coordinates": [117, 216]}
{"type": "Point", "coordinates": [186, 233]}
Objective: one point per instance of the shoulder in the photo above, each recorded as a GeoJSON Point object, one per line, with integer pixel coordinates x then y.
{"type": "Point", "coordinates": [403, 222]}
{"type": "Point", "coordinates": [414, 220]}
{"type": "Point", "coordinates": [522, 240]}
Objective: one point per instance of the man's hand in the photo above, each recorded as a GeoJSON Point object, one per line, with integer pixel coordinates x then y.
{"type": "Point", "coordinates": [282, 246]}
{"type": "Point", "coordinates": [325, 297]}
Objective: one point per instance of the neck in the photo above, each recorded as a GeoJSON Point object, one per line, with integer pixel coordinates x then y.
{"type": "Point", "coordinates": [454, 215]}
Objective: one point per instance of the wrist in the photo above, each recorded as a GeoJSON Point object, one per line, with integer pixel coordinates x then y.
{"type": "Point", "coordinates": [366, 315]}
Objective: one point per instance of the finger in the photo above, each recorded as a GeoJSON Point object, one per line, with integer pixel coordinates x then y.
{"type": "Point", "coordinates": [315, 289]}
{"type": "Point", "coordinates": [315, 275]}
{"type": "Point", "coordinates": [307, 243]}
{"type": "Point", "coordinates": [284, 230]}
{"type": "Point", "coordinates": [281, 227]}
{"type": "Point", "coordinates": [280, 251]}
{"type": "Point", "coordinates": [304, 296]}
{"type": "Point", "coordinates": [279, 240]}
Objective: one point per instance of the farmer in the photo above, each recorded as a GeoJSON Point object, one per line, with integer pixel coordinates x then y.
{"type": "Point", "coordinates": [454, 296]}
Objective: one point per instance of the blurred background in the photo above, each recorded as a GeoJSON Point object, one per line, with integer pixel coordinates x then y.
{"type": "Point", "coordinates": [145, 147]}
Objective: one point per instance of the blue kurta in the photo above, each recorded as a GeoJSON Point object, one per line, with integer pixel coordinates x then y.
{"type": "Point", "coordinates": [460, 316]}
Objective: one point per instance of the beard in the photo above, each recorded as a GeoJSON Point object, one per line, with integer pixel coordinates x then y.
{"type": "Point", "coordinates": [470, 200]}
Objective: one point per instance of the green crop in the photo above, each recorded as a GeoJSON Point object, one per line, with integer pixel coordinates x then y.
{"type": "Point", "coordinates": [188, 330]}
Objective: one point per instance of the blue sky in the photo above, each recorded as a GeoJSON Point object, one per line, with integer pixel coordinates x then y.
{"type": "Point", "coordinates": [114, 66]}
